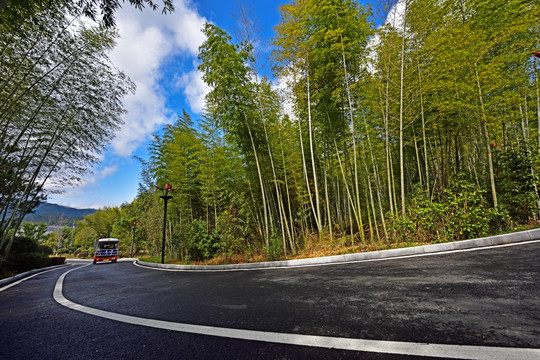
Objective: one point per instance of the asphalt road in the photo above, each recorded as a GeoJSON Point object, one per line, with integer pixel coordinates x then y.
{"type": "Point", "coordinates": [482, 299]}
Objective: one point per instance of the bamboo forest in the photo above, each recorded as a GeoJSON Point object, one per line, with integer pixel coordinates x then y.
{"type": "Point", "coordinates": [420, 130]}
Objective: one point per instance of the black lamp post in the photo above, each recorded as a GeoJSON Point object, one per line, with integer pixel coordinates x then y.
{"type": "Point", "coordinates": [133, 227]}
{"type": "Point", "coordinates": [165, 197]}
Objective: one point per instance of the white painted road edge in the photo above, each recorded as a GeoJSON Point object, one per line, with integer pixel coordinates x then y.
{"type": "Point", "coordinates": [29, 275]}
{"type": "Point", "coordinates": [377, 346]}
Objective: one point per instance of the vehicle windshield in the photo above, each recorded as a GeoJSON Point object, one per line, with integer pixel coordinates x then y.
{"type": "Point", "coordinates": [109, 245]}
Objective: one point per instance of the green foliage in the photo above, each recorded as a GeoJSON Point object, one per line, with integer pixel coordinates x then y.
{"type": "Point", "coordinates": [26, 261]}
{"type": "Point", "coordinates": [423, 218]}
{"type": "Point", "coordinates": [231, 232]}
{"type": "Point", "coordinates": [462, 213]}
{"type": "Point", "coordinates": [263, 171]}
{"type": "Point", "coordinates": [25, 255]}
{"type": "Point", "coordinates": [516, 182]}
{"type": "Point", "coordinates": [24, 244]}
{"type": "Point", "coordinates": [44, 249]}
{"type": "Point", "coordinates": [275, 250]}
{"type": "Point", "coordinates": [34, 231]}
{"type": "Point", "coordinates": [60, 103]}
{"type": "Point", "coordinates": [85, 236]}
{"type": "Point", "coordinates": [200, 244]}
{"type": "Point", "coordinates": [469, 214]}
{"type": "Point", "coordinates": [97, 10]}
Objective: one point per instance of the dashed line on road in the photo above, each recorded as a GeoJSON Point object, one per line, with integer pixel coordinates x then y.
{"type": "Point", "coordinates": [376, 346]}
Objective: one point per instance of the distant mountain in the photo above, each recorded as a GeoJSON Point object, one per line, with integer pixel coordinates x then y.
{"type": "Point", "coordinates": [54, 214]}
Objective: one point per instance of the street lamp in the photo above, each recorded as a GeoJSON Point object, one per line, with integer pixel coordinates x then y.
{"type": "Point", "coordinates": [133, 227]}
{"type": "Point", "coordinates": [165, 197]}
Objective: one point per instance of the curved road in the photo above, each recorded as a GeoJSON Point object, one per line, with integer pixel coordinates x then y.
{"type": "Point", "coordinates": [482, 304]}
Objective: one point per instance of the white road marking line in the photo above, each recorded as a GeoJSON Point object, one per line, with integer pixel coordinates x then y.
{"type": "Point", "coordinates": [344, 262]}
{"type": "Point", "coordinates": [26, 278]}
{"type": "Point", "coordinates": [377, 346]}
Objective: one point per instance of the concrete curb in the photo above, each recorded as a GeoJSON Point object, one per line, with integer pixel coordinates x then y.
{"type": "Point", "coordinates": [510, 238]}
{"type": "Point", "coordinates": [91, 260]}
{"type": "Point", "coordinates": [20, 276]}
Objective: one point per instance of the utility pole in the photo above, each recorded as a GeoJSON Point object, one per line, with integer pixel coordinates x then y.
{"type": "Point", "coordinates": [166, 198]}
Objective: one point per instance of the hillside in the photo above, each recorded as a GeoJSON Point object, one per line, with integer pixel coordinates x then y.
{"type": "Point", "coordinates": [57, 214]}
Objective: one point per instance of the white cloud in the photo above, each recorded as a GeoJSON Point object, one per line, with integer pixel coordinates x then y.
{"type": "Point", "coordinates": [146, 51]}
{"type": "Point", "coordinates": [283, 85]}
{"type": "Point", "coordinates": [188, 25]}
{"type": "Point", "coordinates": [107, 171]}
{"type": "Point", "coordinates": [396, 14]}
{"type": "Point", "coordinates": [93, 179]}
{"type": "Point", "coordinates": [147, 40]}
{"type": "Point", "coordinates": [77, 197]}
{"type": "Point", "coordinates": [394, 19]}
{"type": "Point", "coordinates": [195, 90]}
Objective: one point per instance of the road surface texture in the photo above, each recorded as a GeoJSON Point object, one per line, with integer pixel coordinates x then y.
{"type": "Point", "coordinates": [486, 302]}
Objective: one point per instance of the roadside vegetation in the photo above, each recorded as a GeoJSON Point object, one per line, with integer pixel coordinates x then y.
{"type": "Point", "coordinates": [420, 131]}
{"type": "Point", "coordinates": [423, 130]}
{"type": "Point", "coordinates": [60, 99]}
{"type": "Point", "coordinates": [29, 252]}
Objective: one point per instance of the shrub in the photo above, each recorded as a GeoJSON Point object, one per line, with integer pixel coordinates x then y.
{"type": "Point", "coordinates": [57, 260]}
{"type": "Point", "coordinates": [44, 249]}
{"type": "Point", "coordinates": [26, 261]}
{"type": "Point", "coordinates": [231, 233]}
{"type": "Point", "coordinates": [203, 246]}
{"type": "Point", "coordinates": [23, 244]}
{"type": "Point", "coordinates": [26, 254]}
{"type": "Point", "coordinates": [275, 251]}
{"type": "Point", "coordinates": [468, 212]}
{"type": "Point", "coordinates": [462, 212]}
{"type": "Point", "coordinates": [515, 183]}
{"type": "Point", "coordinates": [424, 220]}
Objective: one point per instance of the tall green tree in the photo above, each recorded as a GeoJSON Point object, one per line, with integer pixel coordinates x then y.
{"type": "Point", "coordinates": [321, 45]}
{"type": "Point", "coordinates": [93, 9]}
{"type": "Point", "coordinates": [60, 103]}
{"type": "Point", "coordinates": [232, 101]}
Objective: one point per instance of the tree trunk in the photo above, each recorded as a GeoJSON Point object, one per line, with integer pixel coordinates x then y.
{"type": "Point", "coordinates": [304, 167]}
{"type": "Point", "coordinates": [357, 214]}
{"type": "Point", "coordinates": [351, 125]}
{"type": "Point", "coordinates": [389, 174]}
{"type": "Point", "coordinates": [291, 220]}
{"type": "Point", "coordinates": [426, 169]}
{"type": "Point", "coordinates": [401, 90]}
{"type": "Point", "coordinates": [486, 135]}
{"type": "Point", "coordinates": [376, 177]}
{"type": "Point", "coordinates": [313, 165]}
{"type": "Point", "coordinates": [263, 193]}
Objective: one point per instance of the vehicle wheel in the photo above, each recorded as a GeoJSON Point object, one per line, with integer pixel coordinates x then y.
{"type": "Point", "coordinates": [95, 262]}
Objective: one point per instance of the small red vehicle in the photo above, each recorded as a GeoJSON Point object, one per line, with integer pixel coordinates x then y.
{"type": "Point", "coordinates": [106, 250]}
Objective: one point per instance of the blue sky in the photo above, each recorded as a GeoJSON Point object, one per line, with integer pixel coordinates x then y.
{"type": "Point", "coordinates": [159, 53]}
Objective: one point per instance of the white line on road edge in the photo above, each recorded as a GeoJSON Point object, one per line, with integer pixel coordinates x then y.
{"type": "Point", "coordinates": [28, 277]}
{"type": "Point", "coordinates": [377, 346]}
